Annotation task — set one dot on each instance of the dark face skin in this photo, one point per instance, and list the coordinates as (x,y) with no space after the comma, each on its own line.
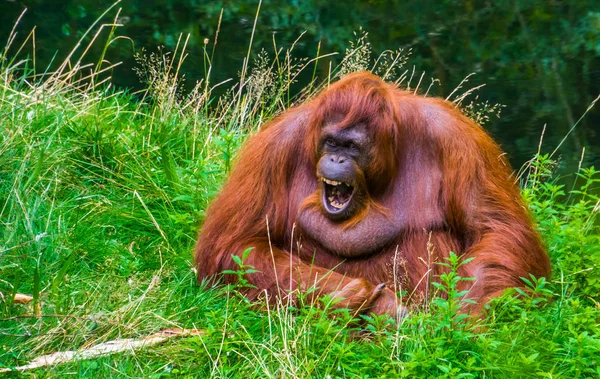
(344,158)
(344,155)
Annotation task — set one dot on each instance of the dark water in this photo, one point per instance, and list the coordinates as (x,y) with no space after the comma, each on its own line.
(541,59)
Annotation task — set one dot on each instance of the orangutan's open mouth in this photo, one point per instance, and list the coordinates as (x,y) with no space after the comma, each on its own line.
(336,195)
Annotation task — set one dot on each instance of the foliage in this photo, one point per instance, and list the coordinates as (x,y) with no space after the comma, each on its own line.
(569,222)
(539,58)
(243,269)
(101,195)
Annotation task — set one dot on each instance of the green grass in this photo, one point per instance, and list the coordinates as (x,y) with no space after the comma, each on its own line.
(102,194)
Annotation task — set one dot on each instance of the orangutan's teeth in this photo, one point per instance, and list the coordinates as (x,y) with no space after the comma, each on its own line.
(331,182)
(337,205)
(331,198)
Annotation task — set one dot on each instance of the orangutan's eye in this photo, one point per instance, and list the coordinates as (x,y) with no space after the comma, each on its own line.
(330,142)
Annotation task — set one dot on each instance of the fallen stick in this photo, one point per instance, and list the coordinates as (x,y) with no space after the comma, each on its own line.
(106,348)
(19,298)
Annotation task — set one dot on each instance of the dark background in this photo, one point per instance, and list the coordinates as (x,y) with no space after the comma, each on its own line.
(540,58)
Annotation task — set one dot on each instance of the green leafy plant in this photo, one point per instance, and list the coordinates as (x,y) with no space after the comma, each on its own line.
(243,269)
